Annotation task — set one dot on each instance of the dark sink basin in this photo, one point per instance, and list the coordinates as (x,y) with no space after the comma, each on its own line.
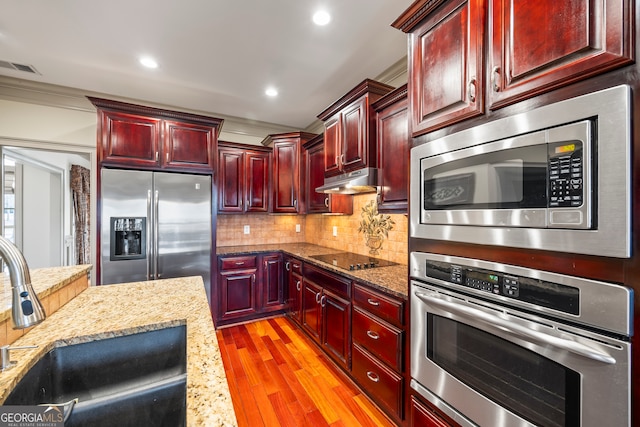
(137,379)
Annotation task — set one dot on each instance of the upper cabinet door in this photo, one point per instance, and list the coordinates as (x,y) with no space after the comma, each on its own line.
(286,181)
(129,139)
(446,66)
(257,173)
(230,180)
(355,136)
(539,45)
(188,146)
(332,146)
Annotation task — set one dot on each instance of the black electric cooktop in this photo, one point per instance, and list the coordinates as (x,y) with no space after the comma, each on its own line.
(351,261)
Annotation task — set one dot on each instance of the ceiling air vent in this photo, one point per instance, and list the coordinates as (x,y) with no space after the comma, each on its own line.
(18,67)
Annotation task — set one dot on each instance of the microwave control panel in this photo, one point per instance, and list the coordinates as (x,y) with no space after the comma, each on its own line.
(491,284)
(566,187)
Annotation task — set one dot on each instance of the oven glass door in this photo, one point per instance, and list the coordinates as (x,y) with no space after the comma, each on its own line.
(498,365)
(524,382)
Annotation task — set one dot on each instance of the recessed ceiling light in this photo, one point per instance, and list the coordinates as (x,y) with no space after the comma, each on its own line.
(148,62)
(271,92)
(321,17)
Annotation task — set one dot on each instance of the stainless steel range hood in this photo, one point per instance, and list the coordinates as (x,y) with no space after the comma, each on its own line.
(356,182)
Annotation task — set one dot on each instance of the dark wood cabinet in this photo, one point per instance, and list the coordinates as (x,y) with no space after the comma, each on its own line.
(314,170)
(272,283)
(136,136)
(243,178)
(349,134)
(534,47)
(445,69)
(538,46)
(287,178)
(379,348)
(326,312)
(237,281)
(249,287)
(393,144)
(188,146)
(293,272)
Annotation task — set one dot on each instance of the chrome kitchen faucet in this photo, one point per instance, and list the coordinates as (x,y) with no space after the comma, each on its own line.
(26,309)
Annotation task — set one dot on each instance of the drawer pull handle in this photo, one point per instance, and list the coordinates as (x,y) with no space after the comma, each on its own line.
(240,263)
(373,302)
(373,376)
(373,335)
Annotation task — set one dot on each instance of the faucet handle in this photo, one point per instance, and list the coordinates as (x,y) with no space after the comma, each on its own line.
(5,357)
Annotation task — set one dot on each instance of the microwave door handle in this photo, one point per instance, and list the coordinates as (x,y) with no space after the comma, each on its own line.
(495,321)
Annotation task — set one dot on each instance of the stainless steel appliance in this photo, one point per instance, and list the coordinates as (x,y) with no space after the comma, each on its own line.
(352,261)
(500,345)
(554,178)
(154,225)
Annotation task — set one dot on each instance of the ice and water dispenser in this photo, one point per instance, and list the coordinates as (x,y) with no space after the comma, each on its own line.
(128,238)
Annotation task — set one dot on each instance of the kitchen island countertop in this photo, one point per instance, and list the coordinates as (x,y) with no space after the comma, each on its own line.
(392,279)
(108,311)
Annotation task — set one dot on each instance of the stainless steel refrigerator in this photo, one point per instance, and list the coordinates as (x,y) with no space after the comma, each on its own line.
(154,225)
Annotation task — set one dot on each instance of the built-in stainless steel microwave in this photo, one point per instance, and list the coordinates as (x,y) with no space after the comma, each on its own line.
(554,178)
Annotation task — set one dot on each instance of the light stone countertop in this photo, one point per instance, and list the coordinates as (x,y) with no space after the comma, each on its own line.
(393,280)
(114,310)
(45,281)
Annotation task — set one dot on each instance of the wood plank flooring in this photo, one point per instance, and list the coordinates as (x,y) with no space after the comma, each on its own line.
(278,377)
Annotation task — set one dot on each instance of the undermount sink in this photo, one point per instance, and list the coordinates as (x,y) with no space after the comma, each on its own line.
(132,380)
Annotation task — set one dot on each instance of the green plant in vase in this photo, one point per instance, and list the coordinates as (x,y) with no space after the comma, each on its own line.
(374,226)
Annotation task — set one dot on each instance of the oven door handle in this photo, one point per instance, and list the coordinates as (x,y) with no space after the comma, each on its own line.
(515,329)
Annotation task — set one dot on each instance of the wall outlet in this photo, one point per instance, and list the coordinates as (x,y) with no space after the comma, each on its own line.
(297,228)
(335,231)
(247,229)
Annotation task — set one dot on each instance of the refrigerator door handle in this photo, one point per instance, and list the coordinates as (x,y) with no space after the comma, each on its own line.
(155,235)
(148,242)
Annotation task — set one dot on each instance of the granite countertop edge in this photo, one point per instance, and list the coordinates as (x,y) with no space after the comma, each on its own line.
(102,312)
(392,280)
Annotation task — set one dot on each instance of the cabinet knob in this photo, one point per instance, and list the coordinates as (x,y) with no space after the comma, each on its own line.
(472,90)
(495,78)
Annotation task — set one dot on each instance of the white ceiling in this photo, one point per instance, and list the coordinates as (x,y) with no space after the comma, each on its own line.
(215,56)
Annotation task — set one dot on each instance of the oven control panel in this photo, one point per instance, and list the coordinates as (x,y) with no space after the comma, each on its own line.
(495,283)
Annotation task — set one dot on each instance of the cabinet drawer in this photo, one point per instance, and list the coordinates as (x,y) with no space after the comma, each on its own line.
(337,284)
(239,262)
(384,385)
(383,306)
(383,340)
(294,265)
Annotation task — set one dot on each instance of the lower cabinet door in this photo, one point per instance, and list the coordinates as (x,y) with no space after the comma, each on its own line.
(383,384)
(336,320)
(238,294)
(311,294)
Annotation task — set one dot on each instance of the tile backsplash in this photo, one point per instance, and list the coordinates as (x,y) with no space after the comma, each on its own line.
(317,229)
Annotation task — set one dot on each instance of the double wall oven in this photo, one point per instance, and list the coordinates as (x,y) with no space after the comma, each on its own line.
(494,344)
(501,345)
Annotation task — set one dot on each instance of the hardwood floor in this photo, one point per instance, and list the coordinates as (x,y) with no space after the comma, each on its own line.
(278,377)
